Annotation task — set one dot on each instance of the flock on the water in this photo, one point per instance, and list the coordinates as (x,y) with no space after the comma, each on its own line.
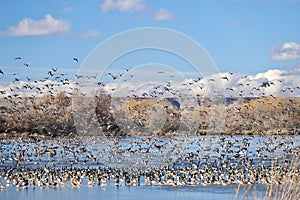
(32,162)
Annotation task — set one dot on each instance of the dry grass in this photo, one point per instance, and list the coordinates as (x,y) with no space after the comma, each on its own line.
(53,115)
(283,184)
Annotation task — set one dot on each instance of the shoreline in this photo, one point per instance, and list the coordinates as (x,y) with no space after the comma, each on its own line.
(273,132)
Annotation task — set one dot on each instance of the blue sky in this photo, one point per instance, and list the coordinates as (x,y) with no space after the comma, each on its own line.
(247,36)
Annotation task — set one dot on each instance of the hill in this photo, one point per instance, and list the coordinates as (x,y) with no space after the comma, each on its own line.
(54,115)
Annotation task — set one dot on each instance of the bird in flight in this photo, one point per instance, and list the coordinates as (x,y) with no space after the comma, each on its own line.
(231,89)
(17,58)
(225,78)
(75,59)
(1,72)
(26,64)
(50,73)
(112,76)
(54,69)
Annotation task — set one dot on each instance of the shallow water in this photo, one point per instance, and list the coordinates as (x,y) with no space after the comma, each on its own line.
(134,152)
(123,193)
(142,151)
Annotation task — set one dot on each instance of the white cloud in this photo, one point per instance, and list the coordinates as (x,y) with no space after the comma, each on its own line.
(123,5)
(133,6)
(272,74)
(46,26)
(39,88)
(90,34)
(288,51)
(272,82)
(163,14)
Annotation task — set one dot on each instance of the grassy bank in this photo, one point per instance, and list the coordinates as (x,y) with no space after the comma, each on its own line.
(54,115)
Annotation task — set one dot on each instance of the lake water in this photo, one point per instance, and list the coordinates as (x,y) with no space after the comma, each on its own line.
(128,152)
(124,193)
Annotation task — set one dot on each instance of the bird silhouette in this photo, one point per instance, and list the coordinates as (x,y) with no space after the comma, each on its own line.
(225,78)
(50,73)
(114,77)
(1,72)
(75,59)
(54,69)
(79,76)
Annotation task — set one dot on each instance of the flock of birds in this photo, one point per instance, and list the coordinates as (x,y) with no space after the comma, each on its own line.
(199,86)
(21,92)
(21,84)
(127,161)
(31,162)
